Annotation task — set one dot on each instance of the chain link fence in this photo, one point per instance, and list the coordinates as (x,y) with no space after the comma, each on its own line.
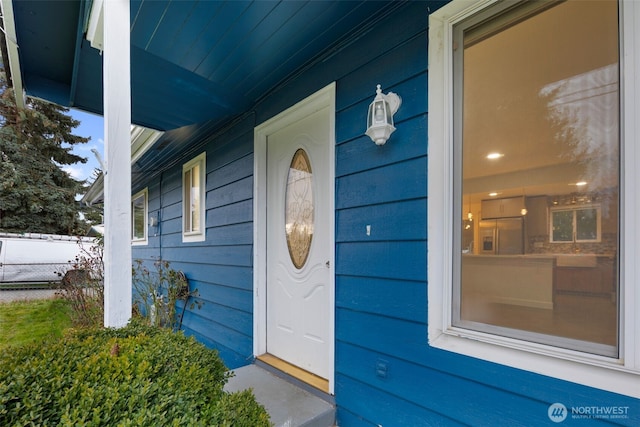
(33,275)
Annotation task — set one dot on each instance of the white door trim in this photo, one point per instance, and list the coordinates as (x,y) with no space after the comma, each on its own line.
(319,100)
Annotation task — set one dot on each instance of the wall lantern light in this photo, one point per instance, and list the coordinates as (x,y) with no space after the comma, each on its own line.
(380,117)
(153,220)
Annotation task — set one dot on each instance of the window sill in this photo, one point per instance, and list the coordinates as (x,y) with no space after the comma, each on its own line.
(199,237)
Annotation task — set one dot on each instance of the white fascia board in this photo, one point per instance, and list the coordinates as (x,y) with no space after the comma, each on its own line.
(142,139)
(95,192)
(95,28)
(12,49)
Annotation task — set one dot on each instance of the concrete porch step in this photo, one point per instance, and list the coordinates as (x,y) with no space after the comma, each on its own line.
(288,404)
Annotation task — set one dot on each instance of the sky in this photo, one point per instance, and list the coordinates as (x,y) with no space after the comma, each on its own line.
(92,126)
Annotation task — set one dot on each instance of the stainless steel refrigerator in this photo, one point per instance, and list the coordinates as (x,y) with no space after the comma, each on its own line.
(501,236)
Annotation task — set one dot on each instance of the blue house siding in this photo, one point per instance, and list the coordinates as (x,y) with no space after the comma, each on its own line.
(385,371)
(221,267)
(381,278)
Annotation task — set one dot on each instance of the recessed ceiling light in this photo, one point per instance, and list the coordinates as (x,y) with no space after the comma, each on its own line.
(581,183)
(494,156)
(494,194)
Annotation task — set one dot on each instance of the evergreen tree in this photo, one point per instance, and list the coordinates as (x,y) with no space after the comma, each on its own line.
(36,195)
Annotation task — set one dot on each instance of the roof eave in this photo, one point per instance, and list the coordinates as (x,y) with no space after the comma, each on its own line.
(95,193)
(142,139)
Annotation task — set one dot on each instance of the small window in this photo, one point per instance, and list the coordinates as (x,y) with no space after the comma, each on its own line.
(576,225)
(193,186)
(139,209)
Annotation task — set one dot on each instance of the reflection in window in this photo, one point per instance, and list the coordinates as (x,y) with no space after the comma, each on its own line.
(193,188)
(192,199)
(538,83)
(138,217)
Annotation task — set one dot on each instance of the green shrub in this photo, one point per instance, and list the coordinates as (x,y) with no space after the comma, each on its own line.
(133,376)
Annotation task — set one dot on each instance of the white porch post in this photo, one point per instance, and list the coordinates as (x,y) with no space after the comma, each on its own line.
(117,178)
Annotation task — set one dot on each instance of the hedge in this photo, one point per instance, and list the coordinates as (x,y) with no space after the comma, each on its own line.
(133,376)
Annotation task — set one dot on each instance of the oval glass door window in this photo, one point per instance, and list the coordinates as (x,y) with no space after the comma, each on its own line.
(299,207)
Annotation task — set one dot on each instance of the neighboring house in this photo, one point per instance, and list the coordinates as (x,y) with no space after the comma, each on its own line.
(389,271)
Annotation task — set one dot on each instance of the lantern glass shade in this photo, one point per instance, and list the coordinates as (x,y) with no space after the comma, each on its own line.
(379,113)
(379,121)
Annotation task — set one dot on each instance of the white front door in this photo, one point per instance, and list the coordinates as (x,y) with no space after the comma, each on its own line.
(299,243)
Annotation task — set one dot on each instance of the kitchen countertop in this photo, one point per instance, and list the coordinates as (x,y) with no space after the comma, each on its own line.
(559,260)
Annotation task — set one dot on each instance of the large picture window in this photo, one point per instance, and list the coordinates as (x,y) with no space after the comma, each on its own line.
(526,259)
(193,188)
(538,120)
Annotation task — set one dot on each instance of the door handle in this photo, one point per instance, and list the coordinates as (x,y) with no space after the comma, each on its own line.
(327,264)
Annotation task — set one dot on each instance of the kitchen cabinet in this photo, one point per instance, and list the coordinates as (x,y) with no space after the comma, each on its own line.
(509,279)
(537,222)
(598,279)
(502,208)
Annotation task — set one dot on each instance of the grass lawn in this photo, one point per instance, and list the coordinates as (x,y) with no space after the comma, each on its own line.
(23,322)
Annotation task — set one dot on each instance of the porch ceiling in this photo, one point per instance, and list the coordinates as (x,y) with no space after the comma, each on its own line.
(191,61)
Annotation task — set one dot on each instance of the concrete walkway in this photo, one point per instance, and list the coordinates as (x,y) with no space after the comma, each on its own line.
(287,404)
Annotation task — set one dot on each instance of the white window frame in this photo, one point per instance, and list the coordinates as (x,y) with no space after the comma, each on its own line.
(619,375)
(189,234)
(145,239)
